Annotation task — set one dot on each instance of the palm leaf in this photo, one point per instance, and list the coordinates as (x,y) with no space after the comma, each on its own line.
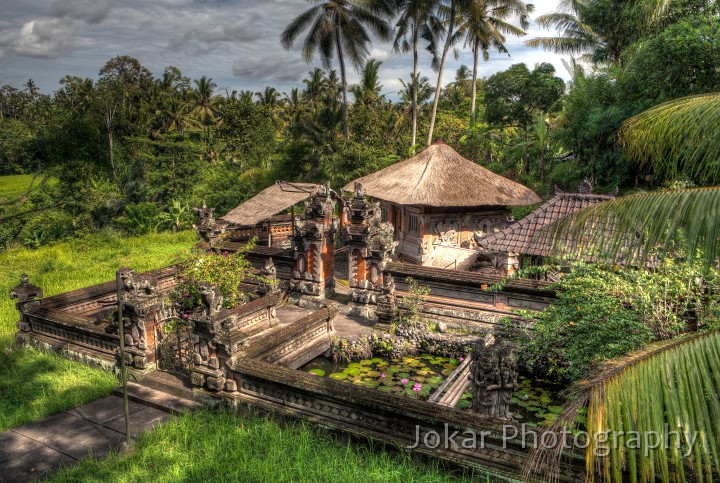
(669,389)
(680,136)
(630,228)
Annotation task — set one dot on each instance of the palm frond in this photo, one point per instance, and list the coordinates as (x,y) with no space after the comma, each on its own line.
(630,228)
(667,395)
(561,45)
(678,137)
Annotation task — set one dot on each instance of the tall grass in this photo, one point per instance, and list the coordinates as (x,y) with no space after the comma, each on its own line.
(35,384)
(223,447)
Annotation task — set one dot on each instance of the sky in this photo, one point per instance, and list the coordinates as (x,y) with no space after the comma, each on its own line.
(235,42)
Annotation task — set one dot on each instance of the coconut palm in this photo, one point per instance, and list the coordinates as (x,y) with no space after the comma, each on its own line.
(340,27)
(591,40)
(417,21)
(675,138)
(448,12)
(368,90)
(203,110)
(483,25)
(674,383)
(413,95)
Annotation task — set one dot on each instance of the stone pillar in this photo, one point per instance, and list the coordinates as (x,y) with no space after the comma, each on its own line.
(371,244)
(25,293)
(143,310)
(314,248)
(493,376)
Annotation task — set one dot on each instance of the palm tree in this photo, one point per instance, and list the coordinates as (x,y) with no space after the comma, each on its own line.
(484,24)
(449,12)
(673,383)
(417,20)
(204,111)
(342,26)
(675,138)
(369,88)
(414,94)
(593,40)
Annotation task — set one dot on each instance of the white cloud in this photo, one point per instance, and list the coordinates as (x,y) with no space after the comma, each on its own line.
(45,38)
(91,11)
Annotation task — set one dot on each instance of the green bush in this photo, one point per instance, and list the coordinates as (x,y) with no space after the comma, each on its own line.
(47,226)
(587,324)
(141,218)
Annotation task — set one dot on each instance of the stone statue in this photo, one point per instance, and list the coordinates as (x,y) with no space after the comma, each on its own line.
(269,269)
(207,226)
(211,298)
(493,376)
(26,291)
(135,285)
(359,191)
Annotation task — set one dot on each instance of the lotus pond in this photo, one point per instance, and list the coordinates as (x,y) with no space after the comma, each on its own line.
(415,376)
(534,402)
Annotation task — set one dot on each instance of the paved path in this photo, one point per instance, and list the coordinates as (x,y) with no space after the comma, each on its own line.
(29,452)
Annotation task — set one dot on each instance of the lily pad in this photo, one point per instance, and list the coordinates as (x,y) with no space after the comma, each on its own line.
(317,372)
(365,362)
(447,372)
(338,376)
(462,404)
(352,371)
(373,374)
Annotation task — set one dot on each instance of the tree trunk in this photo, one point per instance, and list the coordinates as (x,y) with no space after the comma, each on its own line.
(415,86)
(438,87)
(343,81)
(527,153)
(476,49)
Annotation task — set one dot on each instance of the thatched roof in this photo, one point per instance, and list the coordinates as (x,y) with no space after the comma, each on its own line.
(525,237)
(439,176)
(269,202)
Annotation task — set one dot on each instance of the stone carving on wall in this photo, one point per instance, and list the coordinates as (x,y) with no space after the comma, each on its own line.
(446,231)
(493,375)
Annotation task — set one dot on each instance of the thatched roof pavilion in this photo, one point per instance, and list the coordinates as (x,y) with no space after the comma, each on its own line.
(440,199)
(269,202)
(440,176)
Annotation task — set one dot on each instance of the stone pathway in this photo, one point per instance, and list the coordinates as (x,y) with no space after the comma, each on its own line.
(29,452)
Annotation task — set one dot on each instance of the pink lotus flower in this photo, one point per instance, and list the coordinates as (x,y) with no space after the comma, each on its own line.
(185,315)
(382,376)
(404,381)
(461,359)
(417,387)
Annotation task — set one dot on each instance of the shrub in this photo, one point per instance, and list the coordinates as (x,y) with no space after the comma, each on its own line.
(586,325)
(141,218)
(224,269)
(47,226)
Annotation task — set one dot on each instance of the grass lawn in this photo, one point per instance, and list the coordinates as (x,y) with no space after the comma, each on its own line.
(34,384)
(17,184)
(216,446)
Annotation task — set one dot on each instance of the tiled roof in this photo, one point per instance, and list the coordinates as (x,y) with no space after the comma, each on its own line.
(520,237)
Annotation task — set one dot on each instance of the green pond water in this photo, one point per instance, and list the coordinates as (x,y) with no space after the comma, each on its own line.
(534,402)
